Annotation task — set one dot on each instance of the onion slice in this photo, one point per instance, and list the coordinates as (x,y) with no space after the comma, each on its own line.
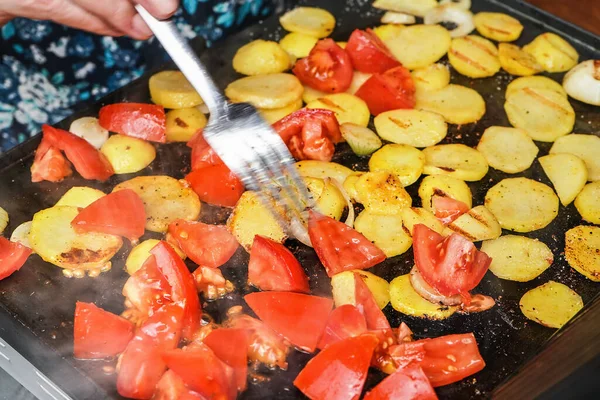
(462,4)
(451,13)
(21,234)
(89,128)
(583,82)
(350,218)
(299,231)
(429,293)
(397,18)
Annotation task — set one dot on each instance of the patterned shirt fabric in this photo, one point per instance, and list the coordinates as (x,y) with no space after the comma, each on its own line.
(46,68)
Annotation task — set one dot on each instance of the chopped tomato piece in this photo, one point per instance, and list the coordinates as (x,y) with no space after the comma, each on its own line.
(141,364)
(49,164)
(392,90)
(118,213)
(339,247)
(231,346)
(99,334)
(12,256)
(202,154)
(344,321)
(172,387)
(408,383)
(451,265)
(183,287)
(285,312)
(327,68)
(273,267)
(147,289)
(138,120)
(447,209)
(445,359)
(339,371)
(216,184)
(368,53)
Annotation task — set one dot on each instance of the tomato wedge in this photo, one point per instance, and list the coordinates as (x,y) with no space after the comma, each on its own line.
(408,383)
(183,287)
(216,184)
(172,387)
(12,256)
(138,120)
(141,364)
(368,53)
(445,359)
(119,213)
(273,267)
(285,312)
(49,164)
(202,154)
(451,265)
(344,321)
(339,247)
(391,90)
(98,333)
(205,244)
(147,289)
(327,68)
(339,371)
(447,209)
(231,346)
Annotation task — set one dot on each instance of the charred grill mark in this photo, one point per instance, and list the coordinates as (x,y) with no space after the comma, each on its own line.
(544,100)
(406,230)
(181,123)
(478,218)
(461,231)
(401,124)
(448,169)
(439,192)
(79,256)
(491,28)
(466,59)
(480,46)
(331,104)
(597,70)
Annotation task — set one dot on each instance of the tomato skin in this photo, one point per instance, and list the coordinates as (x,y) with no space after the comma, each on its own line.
(273,267)
(202,154)
(344,321)
(284,312)
(119,213)
(147,289)
(205,244)
(327,68)
(12,257)
(408,383)
(172,387)
(339,371)
(392,90)
(231,346)
(216,184)
(49,164)
(339,247)
(138,120)
(98,333)
(368,53)
(447,209)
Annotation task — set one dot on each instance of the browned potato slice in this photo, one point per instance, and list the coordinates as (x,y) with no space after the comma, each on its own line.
(171,89)
(405,161)
(456,160)
(588,203)
(498,26)
(553,52)
(582,250)
(551,304)
(350,185)
(261,57)
(265,91)
(418,8)
(309,21)
(385,231)
(411,127)
(298,44)
(323,169)
(80,196)
(477,224)
(534,82)
(407,301)
(509,150)
(586,147)
(412,216)
(387,31)
(457,104)
(567,173)
(474,56)
(347,108)
(444,185)
(183,123)
(516,61)
(433,77)
(418,46)
(382,192)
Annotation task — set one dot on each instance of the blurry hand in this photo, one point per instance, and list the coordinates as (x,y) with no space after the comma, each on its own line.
(104,17)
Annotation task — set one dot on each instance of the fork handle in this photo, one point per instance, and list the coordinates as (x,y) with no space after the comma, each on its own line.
(186,59)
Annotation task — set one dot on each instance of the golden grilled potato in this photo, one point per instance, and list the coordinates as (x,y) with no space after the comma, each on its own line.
(457,104)
(127,154)
(567,173)
(309,21)
(411,127)
(140,253)
(261,57)
(298,44)
(456,160)
(509,150)
(516,61)
(551,304)
(433,77)
(534,82)
(171,89)
(476,225)
(586,147)
(329,200)
(183,123)
(347,108)
(412,7)
(265,91)
(385,231)
(404,299)
(553,52)
(342,286)
(382,192)
(80,196)
(582,250)
(497,26)
(275,114)
(412,216)
(350,185)
(445,186)
(387,31)
(474,56)
(418,46)
(588,203)
(404,161)
(323,169)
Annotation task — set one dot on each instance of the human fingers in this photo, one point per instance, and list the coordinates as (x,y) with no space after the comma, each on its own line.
(121,15)
(161,9)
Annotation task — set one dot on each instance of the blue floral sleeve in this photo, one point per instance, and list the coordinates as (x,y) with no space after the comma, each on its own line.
(45,68)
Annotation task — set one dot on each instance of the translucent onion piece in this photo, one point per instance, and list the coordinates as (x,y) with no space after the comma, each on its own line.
(89,129)
(350,218)
(583,82)
(397,18)
(451,13)
(463,4)
(429,293)
(21,234)
(3,219)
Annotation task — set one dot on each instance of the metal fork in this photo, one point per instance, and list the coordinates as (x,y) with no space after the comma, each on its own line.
(246,143)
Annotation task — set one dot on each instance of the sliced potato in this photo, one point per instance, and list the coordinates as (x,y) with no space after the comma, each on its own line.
(443,185)
(553,52)
(457,104)
(517,258)
(586,147)
(567,173)
(474,56)
(275,114)
(404,161)
(534,82)
(350,185)
(582,250)
(522,204)
(171,89)
(347,108)
(53,238)
(261,57)
(551,304)
(329,200)
(342,285)
(21,234)
(385,231)
(358,78)
(477,224)
(183,123)
(433,77)
(588,203)
(418,8)
(323,169)
(387,31)
(418,46)
(298,44)
(544,114)
(250,217)
(80,196)
(127,154)
(311,94)
(405,300)
(509,150)
(382,192)
(457,160)
(411,127)
(516,61)
(498,26)
(266,91)
(165,200)
(309,21)
(140,253)
(412,216)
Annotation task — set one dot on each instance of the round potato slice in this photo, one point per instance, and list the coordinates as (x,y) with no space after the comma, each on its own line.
(457,104)
(433,77)
(342,288)
(329,200)
(323,169)
(567,173)
(477,224)
(275,114)
(516,61)
(582,250)
(444,185)
(412,7)
(80,196)
(382,192)
(404,161)
(309,21)
(405,300)
(183,123)
(412,216)
(311,94)
(474,56)
(457,160)
(266,91)
(418,46)
(551,304)
(385,231)
(261,57)
(165,200)
(411,127)
(387,31)
(586,147)
(498,26)
(544,114)
(588,203)
(509,150)
(347,108)
(534,82)
(350,185)
(522,204)
(517,258)
(298,44)
(127,154)
(140,253)
(171,89)
(358,78)
(553,52)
